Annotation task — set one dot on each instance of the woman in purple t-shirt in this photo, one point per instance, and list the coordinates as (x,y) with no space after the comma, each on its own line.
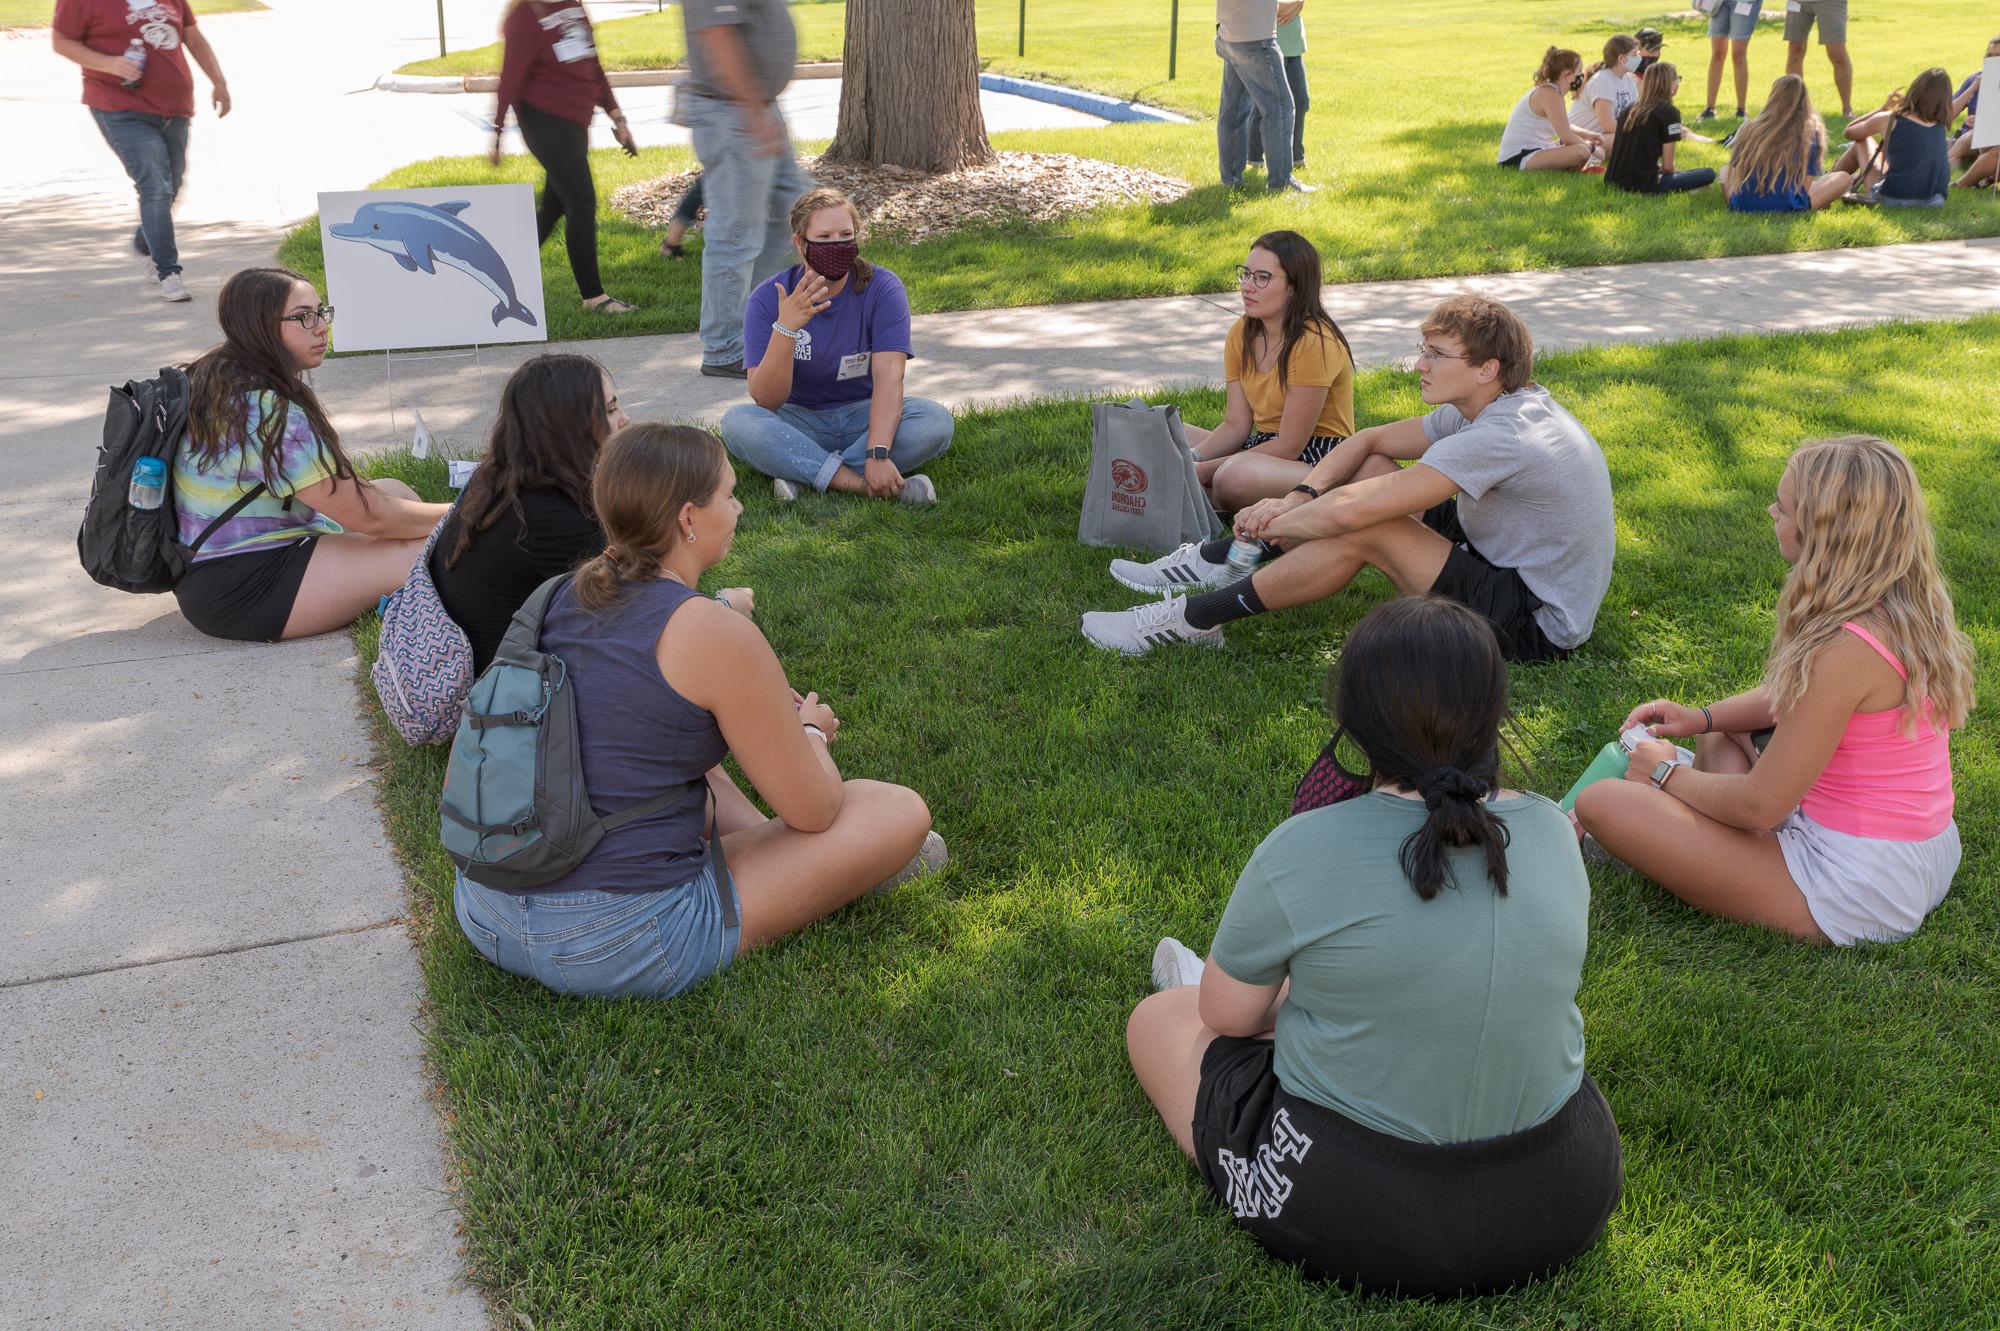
(825,343)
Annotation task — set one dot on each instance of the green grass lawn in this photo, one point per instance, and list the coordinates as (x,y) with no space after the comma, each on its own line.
(919,1113)
(1414,194)
(39,13)
(655,41)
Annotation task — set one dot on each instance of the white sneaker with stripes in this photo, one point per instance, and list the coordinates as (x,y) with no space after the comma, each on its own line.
(1184,570)
(1144,627)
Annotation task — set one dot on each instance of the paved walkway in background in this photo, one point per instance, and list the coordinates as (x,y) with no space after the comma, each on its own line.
(211,1080)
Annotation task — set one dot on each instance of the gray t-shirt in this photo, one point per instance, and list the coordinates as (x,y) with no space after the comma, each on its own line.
(1246,20)
(1534,496)
(766,29)
(1448,1020)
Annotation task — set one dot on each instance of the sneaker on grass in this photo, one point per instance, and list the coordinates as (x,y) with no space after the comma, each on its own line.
(1183,570)
(1175,964)
(783,490)
(930,857)
(917,490)
(1144,627)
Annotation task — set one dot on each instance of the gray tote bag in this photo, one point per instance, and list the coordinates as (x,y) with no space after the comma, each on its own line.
(1143,493)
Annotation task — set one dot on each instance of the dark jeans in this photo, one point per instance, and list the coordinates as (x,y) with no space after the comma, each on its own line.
(154,152)
(689,207)
(563,147)
(1673,182)
(1253,76)
(1295,77)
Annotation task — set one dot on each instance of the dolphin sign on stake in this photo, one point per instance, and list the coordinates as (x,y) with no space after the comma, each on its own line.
(420,236)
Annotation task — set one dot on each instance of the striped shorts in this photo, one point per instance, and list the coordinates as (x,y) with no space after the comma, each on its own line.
(1316,447)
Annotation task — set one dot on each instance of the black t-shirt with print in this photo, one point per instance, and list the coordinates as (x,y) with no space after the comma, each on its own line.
(1634,163)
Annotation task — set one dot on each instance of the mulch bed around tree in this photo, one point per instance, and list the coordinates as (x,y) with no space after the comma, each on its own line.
(1032,187)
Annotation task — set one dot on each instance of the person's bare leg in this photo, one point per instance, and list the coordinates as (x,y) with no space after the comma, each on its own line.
(1245,478)
(1725,753)
(1983,169)
(1722,870)
(1828,188)
(1739,59)
(733,809)
(1843,76)
(786,879)
(345,577)
(1567,157)
(1854,155)
(1411,554)
(1795,59)
(1718,49)
(1165,1040)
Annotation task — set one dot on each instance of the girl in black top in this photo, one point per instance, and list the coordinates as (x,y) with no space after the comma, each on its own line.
(526,515)
(1642,153)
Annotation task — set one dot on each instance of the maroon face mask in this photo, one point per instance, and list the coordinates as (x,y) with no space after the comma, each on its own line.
(831,259)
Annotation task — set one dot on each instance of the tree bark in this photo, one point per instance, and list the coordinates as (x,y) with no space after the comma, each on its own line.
(909,90)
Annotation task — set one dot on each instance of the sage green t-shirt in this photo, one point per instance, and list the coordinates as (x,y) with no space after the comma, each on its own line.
(1447,1020)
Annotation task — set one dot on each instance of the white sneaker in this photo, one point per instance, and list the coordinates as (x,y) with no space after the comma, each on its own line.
(1182,571)
(173,289)
(1144,627)
(1175,964)
(930,857)
(783,490)
(918,490)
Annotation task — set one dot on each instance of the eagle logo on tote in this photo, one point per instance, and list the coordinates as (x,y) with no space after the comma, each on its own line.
(1128,476)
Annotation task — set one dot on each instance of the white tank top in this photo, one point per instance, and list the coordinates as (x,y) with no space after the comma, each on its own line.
(1528,130)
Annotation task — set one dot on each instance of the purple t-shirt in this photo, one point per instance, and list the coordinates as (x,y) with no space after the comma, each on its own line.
(825,372)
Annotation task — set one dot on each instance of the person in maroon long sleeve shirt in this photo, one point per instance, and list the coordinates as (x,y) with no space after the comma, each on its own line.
(550,78)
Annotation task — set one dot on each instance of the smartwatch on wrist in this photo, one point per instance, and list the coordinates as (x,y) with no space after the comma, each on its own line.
(1661,771)
(878,455)
(1304,489)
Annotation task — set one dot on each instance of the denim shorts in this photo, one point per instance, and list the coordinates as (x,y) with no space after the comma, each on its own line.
(1735,19)
(604,944)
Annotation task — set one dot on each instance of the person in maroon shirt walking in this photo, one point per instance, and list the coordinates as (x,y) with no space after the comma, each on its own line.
(551,80)
(137,86)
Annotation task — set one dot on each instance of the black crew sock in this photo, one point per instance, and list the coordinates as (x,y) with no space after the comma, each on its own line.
(1213,609)
(1217,550)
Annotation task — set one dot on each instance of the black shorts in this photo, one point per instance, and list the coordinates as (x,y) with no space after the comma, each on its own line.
(1469,578)
(1384,1215)
(246,597)
(1317,447)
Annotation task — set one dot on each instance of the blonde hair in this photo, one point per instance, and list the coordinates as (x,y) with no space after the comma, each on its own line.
(1773,153)
(825,196)
(645,473)
(1866,549)
(1656,89)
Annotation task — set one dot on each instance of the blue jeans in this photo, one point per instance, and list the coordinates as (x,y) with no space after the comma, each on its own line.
(603,944)
(807,446)
(1295,79)
(1253,75)
(154,152)
(748,236)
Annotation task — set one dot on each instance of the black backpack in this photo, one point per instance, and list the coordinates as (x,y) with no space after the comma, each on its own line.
(139,549)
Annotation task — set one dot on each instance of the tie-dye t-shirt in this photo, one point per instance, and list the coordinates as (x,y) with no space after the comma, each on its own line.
(202,494)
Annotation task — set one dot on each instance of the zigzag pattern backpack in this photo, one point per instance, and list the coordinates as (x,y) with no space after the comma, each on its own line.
(423,662)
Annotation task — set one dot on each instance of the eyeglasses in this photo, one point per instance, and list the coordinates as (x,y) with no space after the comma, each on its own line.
(310,320)
(1427,352)
(1253,277)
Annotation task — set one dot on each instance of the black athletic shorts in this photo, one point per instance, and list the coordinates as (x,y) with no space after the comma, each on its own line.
(246,597)
(1497,593)
(1385,1215)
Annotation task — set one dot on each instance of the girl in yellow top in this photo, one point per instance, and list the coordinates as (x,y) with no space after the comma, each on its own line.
(1290,379)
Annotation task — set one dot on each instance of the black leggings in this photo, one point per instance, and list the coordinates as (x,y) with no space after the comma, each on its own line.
(563,147)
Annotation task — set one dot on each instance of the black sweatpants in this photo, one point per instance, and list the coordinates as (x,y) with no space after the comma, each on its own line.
(562,147)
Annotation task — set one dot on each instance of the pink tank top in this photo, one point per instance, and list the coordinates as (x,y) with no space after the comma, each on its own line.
(1880,782)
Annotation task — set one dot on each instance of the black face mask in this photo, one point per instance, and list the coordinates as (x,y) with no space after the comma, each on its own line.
(831,259)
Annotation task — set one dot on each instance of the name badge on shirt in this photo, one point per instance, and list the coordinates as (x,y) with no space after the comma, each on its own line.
(854,366)
(1743,6)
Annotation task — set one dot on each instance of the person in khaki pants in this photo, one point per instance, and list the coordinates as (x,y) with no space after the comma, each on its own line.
(1831,16)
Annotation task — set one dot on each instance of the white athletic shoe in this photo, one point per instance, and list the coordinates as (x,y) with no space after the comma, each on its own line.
(1182,571)
(783,490)
(1175,964)
(917,490)
(930,857)
(1144,627)
(173,289)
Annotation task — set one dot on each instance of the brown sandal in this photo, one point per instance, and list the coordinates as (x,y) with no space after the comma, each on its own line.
(610,305)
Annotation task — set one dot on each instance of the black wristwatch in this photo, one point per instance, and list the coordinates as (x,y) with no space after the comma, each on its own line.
(1303,488)
(878,455)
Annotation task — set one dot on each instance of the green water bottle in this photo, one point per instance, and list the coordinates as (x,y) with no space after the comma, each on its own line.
(1609,764)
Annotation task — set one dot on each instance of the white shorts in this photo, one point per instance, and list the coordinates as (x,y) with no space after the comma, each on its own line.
(1867,889)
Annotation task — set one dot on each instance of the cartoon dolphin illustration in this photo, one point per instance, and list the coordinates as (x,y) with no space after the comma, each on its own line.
(419,237)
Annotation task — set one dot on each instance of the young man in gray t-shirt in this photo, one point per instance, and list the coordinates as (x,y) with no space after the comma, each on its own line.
(1505,506)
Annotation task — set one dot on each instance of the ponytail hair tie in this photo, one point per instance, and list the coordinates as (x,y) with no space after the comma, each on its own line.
(1445,782)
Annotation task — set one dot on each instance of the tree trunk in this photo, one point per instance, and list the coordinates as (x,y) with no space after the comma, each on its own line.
(909,90)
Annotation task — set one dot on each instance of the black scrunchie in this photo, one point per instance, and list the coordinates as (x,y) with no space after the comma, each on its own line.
(1446,783)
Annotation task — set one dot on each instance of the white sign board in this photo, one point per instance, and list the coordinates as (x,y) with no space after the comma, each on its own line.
(449,267)
(1986,129)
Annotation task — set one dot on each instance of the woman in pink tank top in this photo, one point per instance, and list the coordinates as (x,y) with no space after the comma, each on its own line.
(1840,828)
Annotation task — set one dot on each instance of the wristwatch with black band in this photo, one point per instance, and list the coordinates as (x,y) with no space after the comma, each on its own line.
(877,454)
(1306,490)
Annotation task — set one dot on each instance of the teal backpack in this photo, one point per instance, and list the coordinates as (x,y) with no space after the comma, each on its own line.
(515,813)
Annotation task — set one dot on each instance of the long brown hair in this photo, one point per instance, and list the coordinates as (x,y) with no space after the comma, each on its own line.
(645,472)
(1773,153)
(1929,97)
(1656,89)
(1615,50)
(825,196)
(1554,61)
(1305,312)
(546,437)
(250,362)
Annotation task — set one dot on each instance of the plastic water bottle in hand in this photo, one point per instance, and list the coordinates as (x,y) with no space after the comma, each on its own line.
(1245,553)
(135,51)
(148,489)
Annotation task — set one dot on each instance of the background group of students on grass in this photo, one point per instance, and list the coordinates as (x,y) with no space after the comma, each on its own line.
(1625,122)
(1379,1068)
